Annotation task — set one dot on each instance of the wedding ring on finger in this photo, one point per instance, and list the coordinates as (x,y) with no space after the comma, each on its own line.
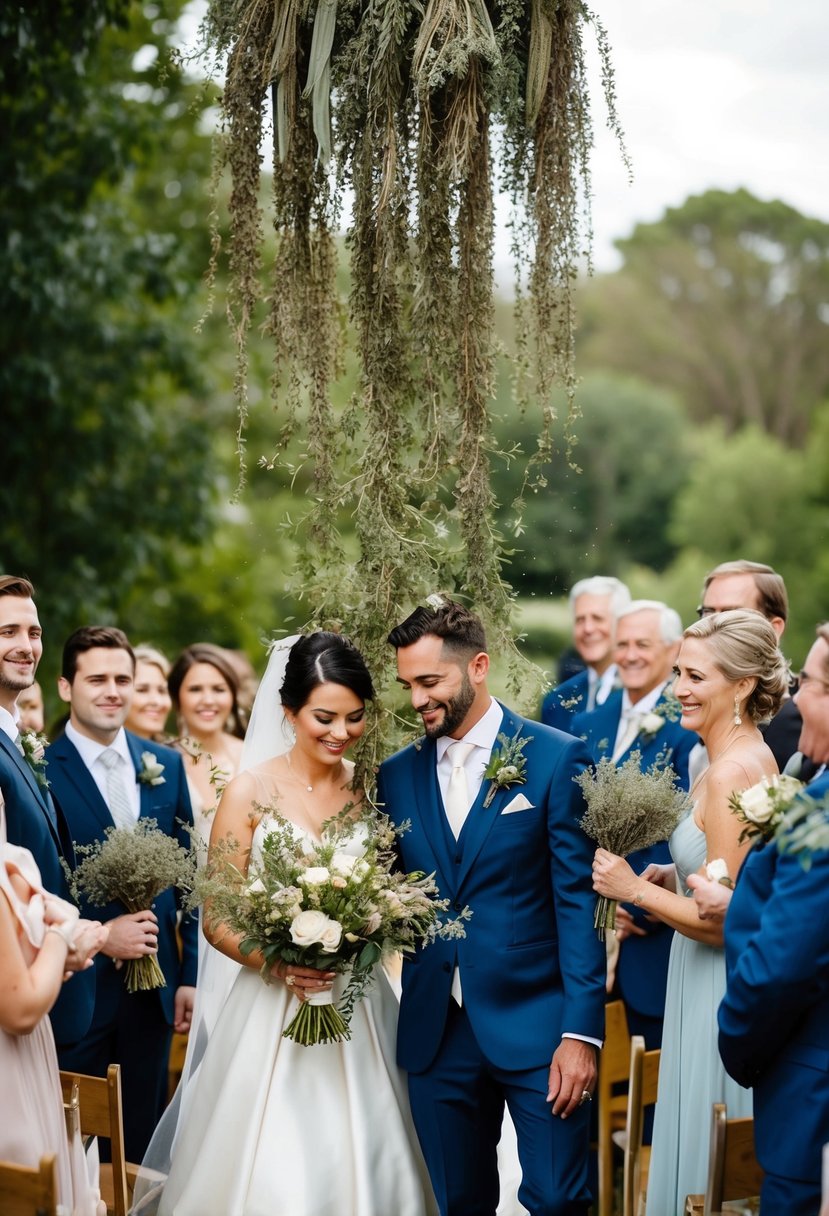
(586,1096)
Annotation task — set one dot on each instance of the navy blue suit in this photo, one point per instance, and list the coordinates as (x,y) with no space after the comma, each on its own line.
(774,1018)
(642,969)
(568,698)
(131,1029)
(36,823)
(531,967)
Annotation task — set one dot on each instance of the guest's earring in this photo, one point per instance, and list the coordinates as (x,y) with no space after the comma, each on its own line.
(738,721)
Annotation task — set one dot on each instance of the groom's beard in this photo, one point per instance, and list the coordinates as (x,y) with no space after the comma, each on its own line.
(454,710)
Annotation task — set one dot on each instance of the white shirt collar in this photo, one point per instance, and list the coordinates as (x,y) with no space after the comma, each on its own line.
(604,682)
(90,749)
(483,734)
(10,722)
(645,704)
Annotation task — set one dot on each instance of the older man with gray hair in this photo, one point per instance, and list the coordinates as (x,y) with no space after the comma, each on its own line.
(595,604)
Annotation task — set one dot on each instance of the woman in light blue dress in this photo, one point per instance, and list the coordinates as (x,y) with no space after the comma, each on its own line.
(730,675)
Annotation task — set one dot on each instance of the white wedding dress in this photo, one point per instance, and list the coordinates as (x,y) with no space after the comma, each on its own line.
(272,1128)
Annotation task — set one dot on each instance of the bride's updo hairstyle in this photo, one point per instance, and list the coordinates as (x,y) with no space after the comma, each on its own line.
(744,646)
(323,658)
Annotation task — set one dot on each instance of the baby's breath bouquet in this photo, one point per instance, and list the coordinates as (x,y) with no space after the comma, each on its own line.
(133,866)
(336,905)
(628,809)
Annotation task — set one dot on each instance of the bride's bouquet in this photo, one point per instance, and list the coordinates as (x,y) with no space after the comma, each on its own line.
(337,905)
(628,809)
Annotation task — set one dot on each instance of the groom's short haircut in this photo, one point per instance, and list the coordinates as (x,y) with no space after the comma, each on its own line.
(772,599)
(459,629)
(13,584)
(92,637)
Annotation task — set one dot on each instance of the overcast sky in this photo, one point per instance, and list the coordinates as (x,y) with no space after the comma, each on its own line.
(714,93)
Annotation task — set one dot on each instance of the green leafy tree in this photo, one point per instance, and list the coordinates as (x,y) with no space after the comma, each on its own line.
(724,300)
(611,513)
(107,449)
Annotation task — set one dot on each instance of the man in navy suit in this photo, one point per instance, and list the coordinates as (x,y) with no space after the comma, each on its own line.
(514,1011)
(637,718)
(595,604)
(95,768)
(33,820)
(774,1018)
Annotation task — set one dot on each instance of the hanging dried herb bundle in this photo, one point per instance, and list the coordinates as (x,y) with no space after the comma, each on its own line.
(418,110)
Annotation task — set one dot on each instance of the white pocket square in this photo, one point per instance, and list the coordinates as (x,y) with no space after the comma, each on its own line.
(519,803)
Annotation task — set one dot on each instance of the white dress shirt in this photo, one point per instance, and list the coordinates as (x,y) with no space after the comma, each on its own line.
(10,723)
(644,705)
(599,687)
(90,751)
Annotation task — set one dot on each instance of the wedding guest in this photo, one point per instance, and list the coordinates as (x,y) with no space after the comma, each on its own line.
(205,696)
(641,716)
(151,701)
(730,675)
(38,935)
(514,1011)
(96,771)
(595,603)
(30,708)
(33,818)
(744,584)
(774,1017)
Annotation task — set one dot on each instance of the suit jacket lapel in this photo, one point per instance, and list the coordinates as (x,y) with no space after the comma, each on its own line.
(76,771)
(481,818)
(432,814)
(42,795)
(146,792)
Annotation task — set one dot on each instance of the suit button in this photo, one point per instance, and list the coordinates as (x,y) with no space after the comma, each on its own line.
(446,966)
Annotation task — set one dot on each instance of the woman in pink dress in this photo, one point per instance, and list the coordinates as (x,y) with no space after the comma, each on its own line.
(37,933)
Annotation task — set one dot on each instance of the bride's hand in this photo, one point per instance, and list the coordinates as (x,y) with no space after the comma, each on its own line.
(303,981)
(613,877)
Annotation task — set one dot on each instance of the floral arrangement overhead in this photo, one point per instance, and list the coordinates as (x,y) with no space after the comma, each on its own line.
(419,112)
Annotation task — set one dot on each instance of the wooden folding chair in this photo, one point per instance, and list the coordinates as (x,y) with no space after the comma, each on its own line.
(29,1190)
(614,1068)
(733,1169)
(100,1111)
(642,1089)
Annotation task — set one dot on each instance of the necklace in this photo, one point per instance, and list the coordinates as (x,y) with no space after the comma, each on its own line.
(309,788)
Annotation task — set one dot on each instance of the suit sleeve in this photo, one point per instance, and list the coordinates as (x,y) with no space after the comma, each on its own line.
(782,972)
(581,954)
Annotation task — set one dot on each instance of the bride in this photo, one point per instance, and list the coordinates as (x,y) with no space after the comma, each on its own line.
(265,1126)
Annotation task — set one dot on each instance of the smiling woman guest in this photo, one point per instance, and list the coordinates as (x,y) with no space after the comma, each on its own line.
(204,691)
(729,676)
(151,701)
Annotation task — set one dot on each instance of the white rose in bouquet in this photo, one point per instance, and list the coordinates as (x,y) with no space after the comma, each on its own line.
(332,936)
(257,887)
(314,876)
(343,864)
(310,927)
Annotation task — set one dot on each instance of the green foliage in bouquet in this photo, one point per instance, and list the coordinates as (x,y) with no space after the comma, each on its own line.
(132,866)
(628,809)
(320,905)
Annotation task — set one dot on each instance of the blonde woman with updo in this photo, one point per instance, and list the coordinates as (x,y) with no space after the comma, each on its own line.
(151,702)
(729,677)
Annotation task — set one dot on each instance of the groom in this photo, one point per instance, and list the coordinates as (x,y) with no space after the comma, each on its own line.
(515,1010)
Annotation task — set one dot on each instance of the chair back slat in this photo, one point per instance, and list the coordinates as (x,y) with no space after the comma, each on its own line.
(614,1069)
(101,1115)
(733,1169)
(29,1190)
(644,1078)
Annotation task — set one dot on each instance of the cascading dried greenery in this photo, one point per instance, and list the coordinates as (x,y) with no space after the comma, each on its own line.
(418,109)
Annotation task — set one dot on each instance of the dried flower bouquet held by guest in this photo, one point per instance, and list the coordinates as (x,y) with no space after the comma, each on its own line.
(628,809)
(132,866)
(317,904)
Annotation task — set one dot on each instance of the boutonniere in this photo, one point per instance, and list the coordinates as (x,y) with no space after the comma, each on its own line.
(651,725)
(804,829)
(33,747)
(150,771)
(508,766)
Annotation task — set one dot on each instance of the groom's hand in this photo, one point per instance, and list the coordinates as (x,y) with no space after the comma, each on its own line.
(572,1072)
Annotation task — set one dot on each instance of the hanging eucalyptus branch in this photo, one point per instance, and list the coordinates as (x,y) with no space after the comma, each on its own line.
(416,109)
